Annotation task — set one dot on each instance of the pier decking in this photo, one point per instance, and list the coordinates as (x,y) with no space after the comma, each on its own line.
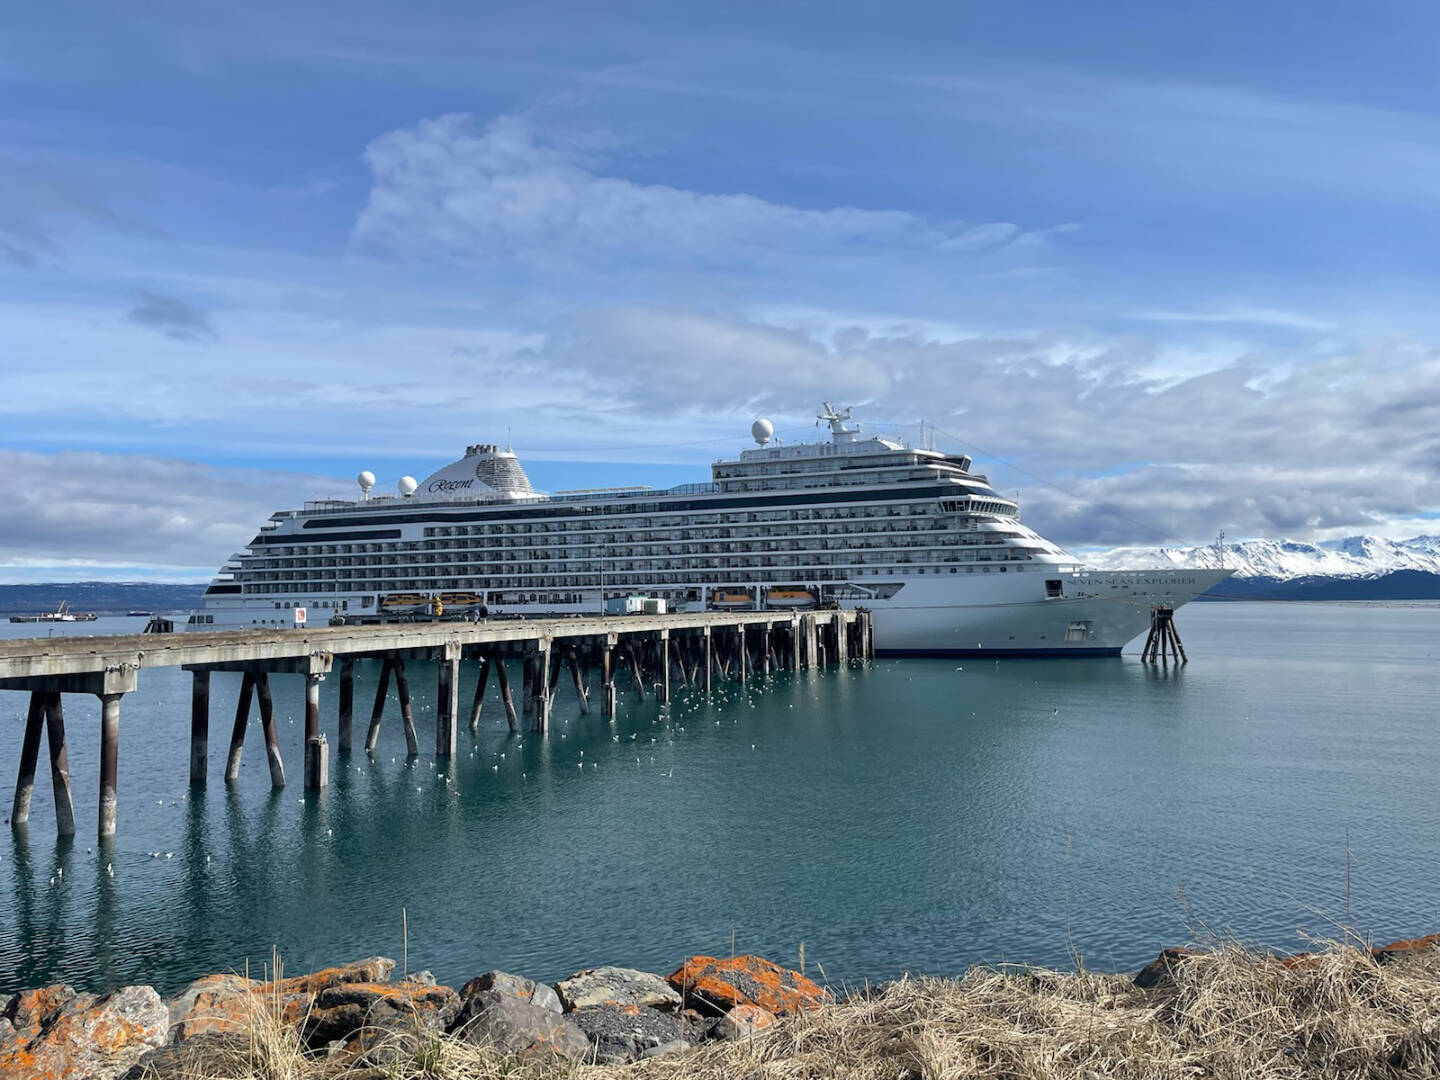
(695,648)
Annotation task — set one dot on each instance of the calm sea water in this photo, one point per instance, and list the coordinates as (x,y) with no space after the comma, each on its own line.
(915,815)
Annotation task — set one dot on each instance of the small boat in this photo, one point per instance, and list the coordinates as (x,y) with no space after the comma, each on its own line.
(405,604)
(457,602)
(60,614)
(732,599)
(140,614)
(790,596)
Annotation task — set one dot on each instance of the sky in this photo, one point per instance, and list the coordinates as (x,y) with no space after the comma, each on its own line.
(1161,269)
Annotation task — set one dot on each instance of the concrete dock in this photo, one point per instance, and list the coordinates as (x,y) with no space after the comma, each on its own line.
(647,650)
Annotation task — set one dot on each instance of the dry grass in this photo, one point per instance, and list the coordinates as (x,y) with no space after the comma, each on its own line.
(1230,1014)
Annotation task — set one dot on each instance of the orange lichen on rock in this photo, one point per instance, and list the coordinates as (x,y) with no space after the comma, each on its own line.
(66,1035)
(375,969)
(1408,947)
(721,985)
(228,1004)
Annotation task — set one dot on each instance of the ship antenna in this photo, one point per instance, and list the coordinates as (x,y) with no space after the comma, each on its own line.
(508,450)
(1220,548)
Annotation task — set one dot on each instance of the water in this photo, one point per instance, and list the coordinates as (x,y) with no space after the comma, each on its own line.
(910,817)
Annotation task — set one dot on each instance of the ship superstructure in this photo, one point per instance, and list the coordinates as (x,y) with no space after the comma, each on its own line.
(914,534)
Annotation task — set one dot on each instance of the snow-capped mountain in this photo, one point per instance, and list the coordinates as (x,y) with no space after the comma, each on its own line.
(1282,560)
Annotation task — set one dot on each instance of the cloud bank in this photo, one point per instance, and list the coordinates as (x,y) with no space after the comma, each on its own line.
(511,189)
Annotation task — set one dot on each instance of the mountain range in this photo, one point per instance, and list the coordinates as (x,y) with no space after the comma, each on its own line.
(101,597)
(1353,568)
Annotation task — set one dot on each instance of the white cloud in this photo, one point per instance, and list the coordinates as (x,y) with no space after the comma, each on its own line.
(78,510)
(1241,316)
(513,190)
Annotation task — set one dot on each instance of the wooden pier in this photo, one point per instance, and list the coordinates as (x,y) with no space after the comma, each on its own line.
(652,650)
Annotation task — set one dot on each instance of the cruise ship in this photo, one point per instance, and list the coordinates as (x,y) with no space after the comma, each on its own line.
(857,520)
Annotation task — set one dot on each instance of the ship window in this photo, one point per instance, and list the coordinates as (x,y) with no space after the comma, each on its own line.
(1053,588)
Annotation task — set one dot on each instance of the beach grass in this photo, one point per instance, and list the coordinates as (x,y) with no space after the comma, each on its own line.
(1226,1013)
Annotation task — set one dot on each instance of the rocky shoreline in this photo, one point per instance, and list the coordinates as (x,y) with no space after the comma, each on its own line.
(356,1021)
(356,1015)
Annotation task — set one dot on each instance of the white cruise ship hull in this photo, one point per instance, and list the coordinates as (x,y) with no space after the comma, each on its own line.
(983,614)
(1097,613)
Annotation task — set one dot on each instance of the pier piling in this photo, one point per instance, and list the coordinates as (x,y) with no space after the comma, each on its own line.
(377,713)
(59,766)
(199,725)
(267,725)
(242,720)
(345,713)
(317,763)
(607,677)
(109,761)
(478,702)
(538,688)
(580,693)
(636,676)
(447,704)
(312,705)
(1163,639)
(407,714)
(505,695)
(29,759)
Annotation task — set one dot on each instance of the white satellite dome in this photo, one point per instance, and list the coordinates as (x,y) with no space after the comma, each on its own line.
(407,485)
(366,480)
(762,430)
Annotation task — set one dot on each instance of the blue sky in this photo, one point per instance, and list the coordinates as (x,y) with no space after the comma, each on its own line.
(1179,264)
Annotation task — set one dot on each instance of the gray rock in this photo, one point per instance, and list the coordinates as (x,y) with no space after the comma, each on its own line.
(742,1022)
(676,1047)
(399,1009)
(622,1033)
(616,986)
(210,1055)
(516,986)
(515,1026)
(1160,972)
(421,978)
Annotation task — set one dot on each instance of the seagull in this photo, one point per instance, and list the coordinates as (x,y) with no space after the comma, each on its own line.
(110,869)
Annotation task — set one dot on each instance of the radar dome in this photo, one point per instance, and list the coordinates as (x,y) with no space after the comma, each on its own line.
(762,430)
(407,485)
(366,480)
